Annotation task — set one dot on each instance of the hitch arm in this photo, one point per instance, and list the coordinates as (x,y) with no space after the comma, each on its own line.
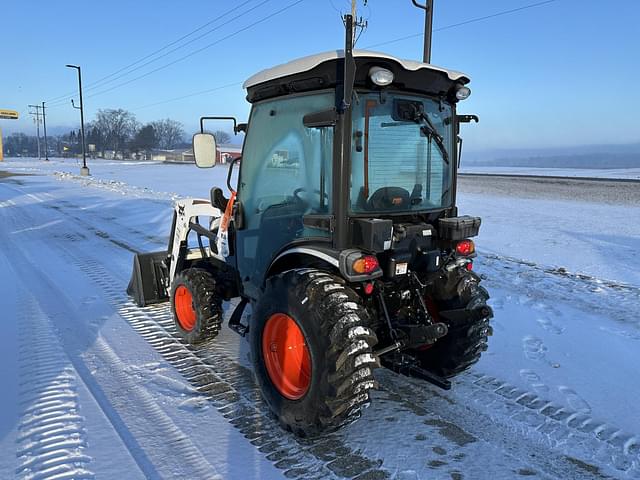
(407,366)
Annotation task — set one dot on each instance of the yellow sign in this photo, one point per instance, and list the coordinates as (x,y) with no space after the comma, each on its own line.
(8,114)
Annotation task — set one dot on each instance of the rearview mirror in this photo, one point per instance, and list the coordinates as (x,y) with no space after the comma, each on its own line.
(204,150)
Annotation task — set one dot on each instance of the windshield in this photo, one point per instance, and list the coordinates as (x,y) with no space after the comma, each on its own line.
(402,153)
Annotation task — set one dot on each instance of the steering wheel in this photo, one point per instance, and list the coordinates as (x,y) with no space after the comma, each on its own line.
(297,191)
(389,198)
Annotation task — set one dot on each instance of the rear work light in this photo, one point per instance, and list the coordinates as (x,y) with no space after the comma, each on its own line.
(462,92)
(465,247)
(381,76)
(366,264)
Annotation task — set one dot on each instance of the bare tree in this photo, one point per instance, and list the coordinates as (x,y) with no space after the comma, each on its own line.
(115,128)
(222,136)
(169,133)
(144,139)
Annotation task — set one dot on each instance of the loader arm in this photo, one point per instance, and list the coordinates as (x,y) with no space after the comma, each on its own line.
(187,211)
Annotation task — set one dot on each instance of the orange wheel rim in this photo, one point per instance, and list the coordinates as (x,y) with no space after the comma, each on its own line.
(286,356)
(185,312)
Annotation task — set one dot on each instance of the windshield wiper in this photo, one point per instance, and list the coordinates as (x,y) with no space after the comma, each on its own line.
(430,130)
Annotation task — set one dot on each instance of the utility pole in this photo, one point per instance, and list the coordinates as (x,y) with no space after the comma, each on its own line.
(357,22)
(84,171)
(36,114)
(428,28)
(44,124)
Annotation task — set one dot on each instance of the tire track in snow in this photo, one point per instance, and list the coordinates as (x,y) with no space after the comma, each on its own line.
(518,420)
(51,434)
(154,441)
(529,413)
(574,430)
(232,389)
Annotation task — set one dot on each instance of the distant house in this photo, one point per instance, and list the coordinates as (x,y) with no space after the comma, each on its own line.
(177,155)
(226,153)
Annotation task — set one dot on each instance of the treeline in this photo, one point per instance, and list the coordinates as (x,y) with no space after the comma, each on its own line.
(586,161)
(113,131)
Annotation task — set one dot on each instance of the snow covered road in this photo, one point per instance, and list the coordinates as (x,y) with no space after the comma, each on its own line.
(98,387)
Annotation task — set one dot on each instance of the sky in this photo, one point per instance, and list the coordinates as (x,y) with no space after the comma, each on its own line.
(560,73)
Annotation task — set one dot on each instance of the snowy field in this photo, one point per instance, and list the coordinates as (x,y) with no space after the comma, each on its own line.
(95,387)
(632,173)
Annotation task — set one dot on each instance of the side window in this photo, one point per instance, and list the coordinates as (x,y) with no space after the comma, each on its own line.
(285,163)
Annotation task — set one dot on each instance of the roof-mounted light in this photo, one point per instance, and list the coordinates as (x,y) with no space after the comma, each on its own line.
(381,76)
(462,92)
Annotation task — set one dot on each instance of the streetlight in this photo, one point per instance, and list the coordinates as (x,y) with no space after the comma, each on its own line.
(84,171)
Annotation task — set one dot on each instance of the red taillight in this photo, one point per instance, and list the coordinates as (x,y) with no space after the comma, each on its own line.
(469,266)
(465,247)
(368,288)
(366,264)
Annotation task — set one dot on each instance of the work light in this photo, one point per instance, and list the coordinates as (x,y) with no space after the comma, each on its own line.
(462,93)
(381,76)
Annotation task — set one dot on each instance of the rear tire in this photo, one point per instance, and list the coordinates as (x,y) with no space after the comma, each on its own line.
(467,337)
(328,338)
(196,305)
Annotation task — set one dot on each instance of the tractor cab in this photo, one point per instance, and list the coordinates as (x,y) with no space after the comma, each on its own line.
(320,175)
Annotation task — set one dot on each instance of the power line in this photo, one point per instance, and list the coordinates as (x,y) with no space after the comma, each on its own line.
(184,57)
(182,38)
(203,92)
(466,22)
(97,84)
(101,80)
(264,19)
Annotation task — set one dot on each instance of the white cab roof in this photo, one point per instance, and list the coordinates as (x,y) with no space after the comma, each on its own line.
(307,63)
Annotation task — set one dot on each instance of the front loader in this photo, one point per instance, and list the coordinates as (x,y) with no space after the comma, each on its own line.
(342,233)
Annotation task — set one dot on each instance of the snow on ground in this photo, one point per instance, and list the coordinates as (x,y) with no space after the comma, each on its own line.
(133,178)
(596,239)
(621,173)
(95,386)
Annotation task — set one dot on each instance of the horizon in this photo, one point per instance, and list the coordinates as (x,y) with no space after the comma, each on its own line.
(530,86)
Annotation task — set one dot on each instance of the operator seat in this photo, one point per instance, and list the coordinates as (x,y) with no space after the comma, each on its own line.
(389,198)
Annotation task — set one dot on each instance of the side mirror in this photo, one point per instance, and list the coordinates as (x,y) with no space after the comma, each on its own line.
(204,149)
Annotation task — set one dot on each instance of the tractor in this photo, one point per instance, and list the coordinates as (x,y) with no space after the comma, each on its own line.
(342,234)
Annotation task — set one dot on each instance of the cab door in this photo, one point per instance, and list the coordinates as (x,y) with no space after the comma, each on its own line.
(285,174)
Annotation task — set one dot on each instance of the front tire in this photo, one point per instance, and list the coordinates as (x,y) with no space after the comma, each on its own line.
(196,305)
(312,351)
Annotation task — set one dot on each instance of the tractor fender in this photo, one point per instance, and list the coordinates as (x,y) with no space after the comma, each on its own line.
(303,255)
(307,255)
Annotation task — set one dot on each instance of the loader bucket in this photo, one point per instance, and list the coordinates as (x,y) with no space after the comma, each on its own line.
(148,279)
